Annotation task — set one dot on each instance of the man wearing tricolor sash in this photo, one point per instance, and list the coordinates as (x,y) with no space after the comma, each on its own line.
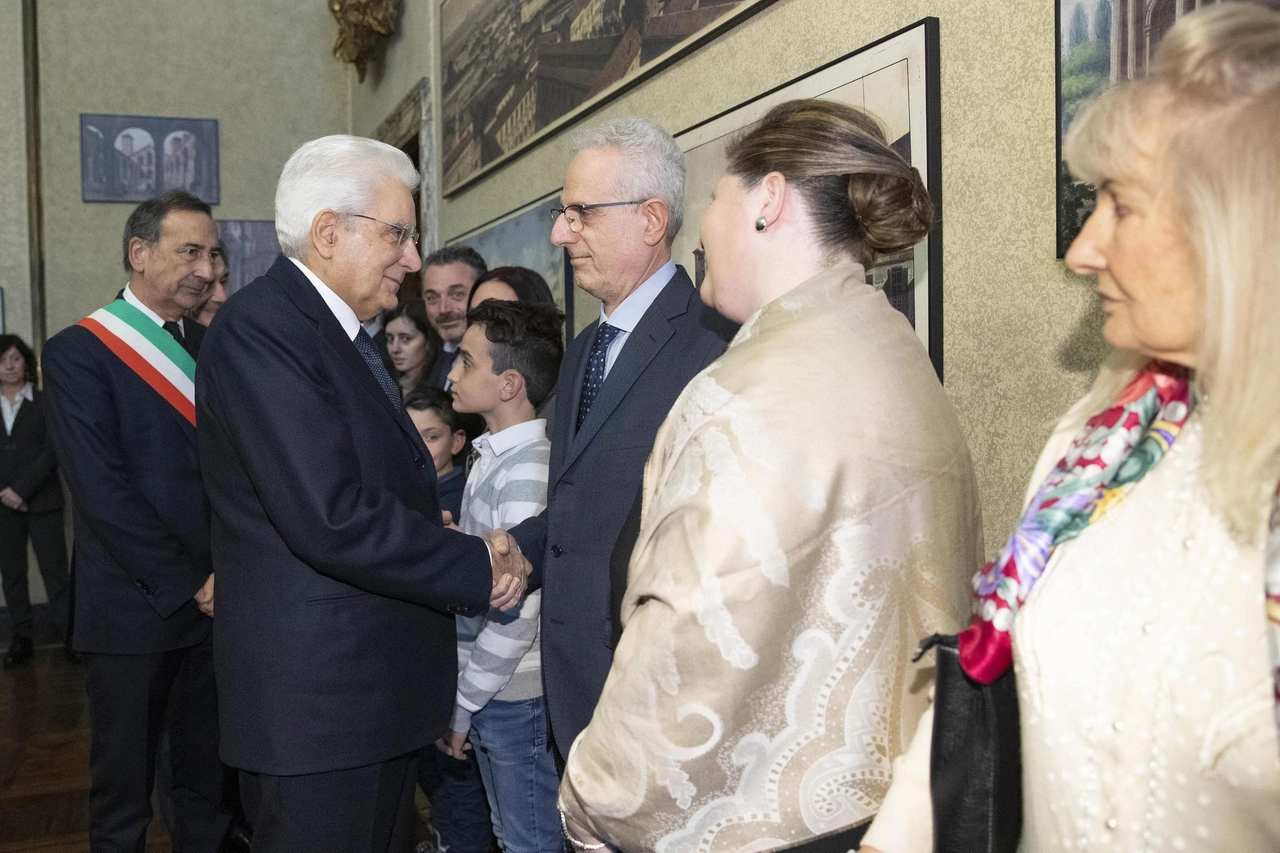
(121,392)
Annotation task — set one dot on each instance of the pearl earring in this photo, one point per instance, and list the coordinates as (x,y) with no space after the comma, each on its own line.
(761,224)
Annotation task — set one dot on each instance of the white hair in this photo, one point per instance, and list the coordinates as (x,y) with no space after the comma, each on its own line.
(338,173)
(653,163)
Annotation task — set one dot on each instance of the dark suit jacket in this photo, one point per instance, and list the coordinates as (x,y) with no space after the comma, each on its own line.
(141,517)
(327,541)
(595,475)
(28,464)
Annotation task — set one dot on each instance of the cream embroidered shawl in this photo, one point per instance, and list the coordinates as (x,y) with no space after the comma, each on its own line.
(810,513)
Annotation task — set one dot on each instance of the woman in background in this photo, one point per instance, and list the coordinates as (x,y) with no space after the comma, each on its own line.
(1130,598)
(517,284)
(30,502)
(413,345)
(809,512)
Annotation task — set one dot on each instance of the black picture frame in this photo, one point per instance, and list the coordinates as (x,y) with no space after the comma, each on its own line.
(120,162)
(913,53)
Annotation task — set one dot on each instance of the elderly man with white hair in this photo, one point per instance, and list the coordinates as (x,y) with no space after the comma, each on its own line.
(623,204)
(337,582)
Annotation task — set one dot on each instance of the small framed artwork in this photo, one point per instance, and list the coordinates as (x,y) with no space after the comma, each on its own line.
(894,79)
(134,158)
(252,247)
(522,238)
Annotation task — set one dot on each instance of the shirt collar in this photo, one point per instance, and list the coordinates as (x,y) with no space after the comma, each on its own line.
(132,299)
(372,327)
(627,315)
(498,443)
(345,316)
(27,393)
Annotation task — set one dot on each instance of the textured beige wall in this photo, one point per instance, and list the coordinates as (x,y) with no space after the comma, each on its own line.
(264,70)
(15,265)
(1021,334)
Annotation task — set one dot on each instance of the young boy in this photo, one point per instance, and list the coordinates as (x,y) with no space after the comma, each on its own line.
(509,360)
(431,411)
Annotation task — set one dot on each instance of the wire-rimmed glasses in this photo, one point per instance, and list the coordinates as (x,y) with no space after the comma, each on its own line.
(574,213)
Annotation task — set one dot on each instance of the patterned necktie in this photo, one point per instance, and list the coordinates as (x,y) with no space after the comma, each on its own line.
(594,379)
(175,330)
(369,352)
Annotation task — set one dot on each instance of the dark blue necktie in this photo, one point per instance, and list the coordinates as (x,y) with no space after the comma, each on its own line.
(594,379)
(369,352)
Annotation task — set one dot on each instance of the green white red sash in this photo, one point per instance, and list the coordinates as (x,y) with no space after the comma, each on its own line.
(149,351)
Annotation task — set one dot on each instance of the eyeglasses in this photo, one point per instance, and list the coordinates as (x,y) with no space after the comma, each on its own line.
(575,213)
(403,234)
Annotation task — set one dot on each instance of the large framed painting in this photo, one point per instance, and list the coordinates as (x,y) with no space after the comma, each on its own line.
(894,79)
(514,71)
(522,238)
(252,247)
(134,158)
(1100,43)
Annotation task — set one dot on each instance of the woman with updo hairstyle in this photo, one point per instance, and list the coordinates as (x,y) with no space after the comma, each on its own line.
(413,345)
(809,512)
(1129,602)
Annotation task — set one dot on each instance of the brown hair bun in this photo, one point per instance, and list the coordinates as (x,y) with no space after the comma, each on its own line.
(864,198)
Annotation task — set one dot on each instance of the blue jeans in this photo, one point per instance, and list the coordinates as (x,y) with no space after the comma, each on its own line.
(510,742)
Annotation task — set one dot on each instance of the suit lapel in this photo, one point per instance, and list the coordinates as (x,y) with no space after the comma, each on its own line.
(646,341)
(309,302)
(24,414)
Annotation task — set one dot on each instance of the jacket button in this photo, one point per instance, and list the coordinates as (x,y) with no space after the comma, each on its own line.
(419,462)
(556,550)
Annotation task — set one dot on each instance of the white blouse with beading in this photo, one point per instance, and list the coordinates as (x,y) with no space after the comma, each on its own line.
(1144,685)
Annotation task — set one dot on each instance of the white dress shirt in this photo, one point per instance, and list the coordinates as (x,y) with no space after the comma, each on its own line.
(343,312)
(10,408)
(137,303)
(627,316)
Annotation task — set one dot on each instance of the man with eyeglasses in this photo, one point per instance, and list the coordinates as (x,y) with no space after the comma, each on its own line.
(623,203)
(118,399)
(337,583)
(448,274)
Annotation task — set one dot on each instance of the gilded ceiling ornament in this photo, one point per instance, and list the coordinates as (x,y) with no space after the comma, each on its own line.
(363,25)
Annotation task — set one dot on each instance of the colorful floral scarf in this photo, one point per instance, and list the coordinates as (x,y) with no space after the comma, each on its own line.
(1112,452)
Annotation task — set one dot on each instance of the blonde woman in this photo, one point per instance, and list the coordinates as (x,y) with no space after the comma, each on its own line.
(1130,600)
(809,512)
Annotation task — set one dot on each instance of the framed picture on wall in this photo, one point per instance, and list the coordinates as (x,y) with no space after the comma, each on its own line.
(1100,43)
(252,248)
(134,158)
(522,238)
(514,71)
(896,80)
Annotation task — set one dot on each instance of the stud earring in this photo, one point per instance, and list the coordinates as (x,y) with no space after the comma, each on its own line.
(761,224)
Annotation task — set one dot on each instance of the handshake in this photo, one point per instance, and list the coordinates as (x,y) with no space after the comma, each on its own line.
(510,571)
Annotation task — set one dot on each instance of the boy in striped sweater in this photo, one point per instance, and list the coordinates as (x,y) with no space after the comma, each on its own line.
(508,364)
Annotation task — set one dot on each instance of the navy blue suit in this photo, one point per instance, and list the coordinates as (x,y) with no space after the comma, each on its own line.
(337,585)
(142,552)
(595,474)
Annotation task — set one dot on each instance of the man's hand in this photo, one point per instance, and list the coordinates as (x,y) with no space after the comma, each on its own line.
(12,500)
(204,597)
(510,571)
(449,522)
(455,745)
